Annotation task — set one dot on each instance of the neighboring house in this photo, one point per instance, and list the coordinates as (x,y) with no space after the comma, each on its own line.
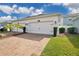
(44,24)
(76,22)
(68,21)
(76,25)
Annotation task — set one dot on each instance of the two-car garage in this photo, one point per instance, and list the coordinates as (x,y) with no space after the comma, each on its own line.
(42,24)
(40,28)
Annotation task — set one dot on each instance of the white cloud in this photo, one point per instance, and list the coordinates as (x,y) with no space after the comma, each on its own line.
(24,10)
(66,4)
(14,6)
(33,11)
(16,11)
(6,9)
(73,7)
(20,10)
(74,10)
(37,12)
(7,18)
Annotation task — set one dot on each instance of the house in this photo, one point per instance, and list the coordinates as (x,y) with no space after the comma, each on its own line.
(46,23)
(72,20)
(76,22)
(42,24)
(68,21)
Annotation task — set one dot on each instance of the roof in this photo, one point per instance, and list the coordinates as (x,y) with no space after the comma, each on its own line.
(75,16)
(72,15)
(38,16)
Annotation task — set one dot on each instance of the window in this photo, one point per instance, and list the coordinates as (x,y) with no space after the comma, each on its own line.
(38,21)
(70,19)
(55,22)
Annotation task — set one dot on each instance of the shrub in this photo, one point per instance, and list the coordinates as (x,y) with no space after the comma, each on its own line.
(3,30)
(61,30)
(72,30)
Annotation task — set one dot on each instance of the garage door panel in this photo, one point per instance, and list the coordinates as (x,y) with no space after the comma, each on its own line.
(41,28)
(47,28)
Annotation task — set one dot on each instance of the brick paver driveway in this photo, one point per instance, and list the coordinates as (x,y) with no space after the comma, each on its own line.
(24,44)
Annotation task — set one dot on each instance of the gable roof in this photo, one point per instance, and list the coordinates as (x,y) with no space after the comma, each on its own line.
(38,16)
(74,16)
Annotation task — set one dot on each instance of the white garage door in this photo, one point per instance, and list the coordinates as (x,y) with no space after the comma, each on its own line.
(41,28)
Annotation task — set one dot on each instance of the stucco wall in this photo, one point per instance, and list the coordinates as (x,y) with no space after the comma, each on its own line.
(76,24)
(67,21)
(45,25)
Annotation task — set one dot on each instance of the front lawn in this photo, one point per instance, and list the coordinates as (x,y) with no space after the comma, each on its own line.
(65,45)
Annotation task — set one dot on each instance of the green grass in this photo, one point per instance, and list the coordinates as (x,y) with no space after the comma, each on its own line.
(66,45)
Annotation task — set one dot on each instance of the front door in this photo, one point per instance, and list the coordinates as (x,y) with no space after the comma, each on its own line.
(55,31)
(24,29)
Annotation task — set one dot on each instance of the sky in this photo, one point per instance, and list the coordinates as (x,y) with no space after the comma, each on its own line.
(14,11)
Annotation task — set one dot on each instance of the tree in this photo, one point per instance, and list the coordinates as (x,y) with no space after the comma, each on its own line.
(12,26)
(9,26)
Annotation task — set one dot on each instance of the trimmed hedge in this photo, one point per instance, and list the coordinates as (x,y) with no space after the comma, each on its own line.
(72,30)
(61,30)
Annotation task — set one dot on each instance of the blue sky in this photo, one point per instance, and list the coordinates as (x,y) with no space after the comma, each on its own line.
(22,10)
